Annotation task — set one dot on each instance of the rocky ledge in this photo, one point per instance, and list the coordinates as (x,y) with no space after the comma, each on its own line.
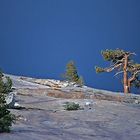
(65,89)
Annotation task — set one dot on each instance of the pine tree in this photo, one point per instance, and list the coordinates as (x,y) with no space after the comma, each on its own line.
(122,62)
(72,75)
(6,118)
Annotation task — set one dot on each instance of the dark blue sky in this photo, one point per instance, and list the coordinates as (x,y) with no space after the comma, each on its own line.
(38,37)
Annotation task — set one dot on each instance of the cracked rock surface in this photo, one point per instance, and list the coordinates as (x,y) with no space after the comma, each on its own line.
(44,117)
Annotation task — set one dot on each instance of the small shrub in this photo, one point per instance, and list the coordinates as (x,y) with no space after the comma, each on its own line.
(5,87)
(6,118)
(8,85)
(71,106)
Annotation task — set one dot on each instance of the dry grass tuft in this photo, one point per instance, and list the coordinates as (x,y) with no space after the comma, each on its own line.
(66,95)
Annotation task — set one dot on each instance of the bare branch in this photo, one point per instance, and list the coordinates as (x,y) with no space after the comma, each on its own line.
(132,53)
(112,68)
(118,73)
(134,76)
(119,61)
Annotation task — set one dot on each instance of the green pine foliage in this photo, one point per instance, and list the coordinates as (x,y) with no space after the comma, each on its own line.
(5,87)
(99,69)
(80,81)
(6,118)
(71,74)
(112,55)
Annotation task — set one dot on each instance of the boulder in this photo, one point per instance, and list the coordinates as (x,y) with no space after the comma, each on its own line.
(10,99)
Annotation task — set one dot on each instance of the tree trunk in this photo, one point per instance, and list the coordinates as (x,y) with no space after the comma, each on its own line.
(129,85)
(125,76)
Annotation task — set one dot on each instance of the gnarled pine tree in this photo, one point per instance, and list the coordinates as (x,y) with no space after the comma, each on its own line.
(122,62)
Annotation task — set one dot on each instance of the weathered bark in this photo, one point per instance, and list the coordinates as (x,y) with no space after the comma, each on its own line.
(125,75)
(129,86)
(130,80)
